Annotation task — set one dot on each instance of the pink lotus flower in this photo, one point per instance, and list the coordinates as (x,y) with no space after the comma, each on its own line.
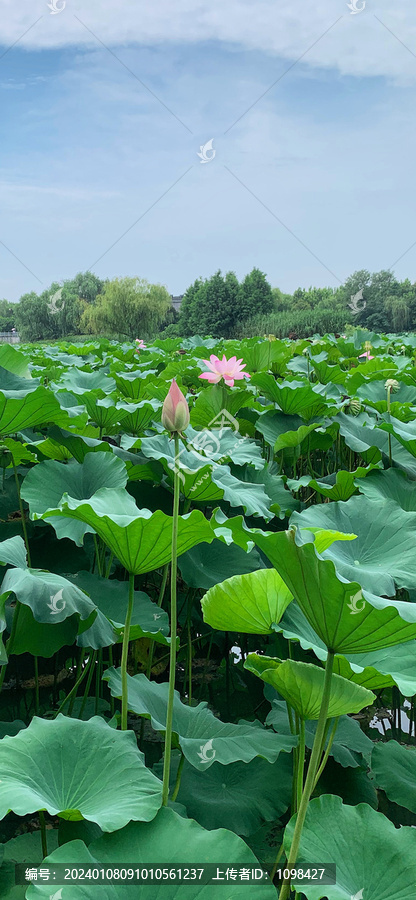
(367,355)
(230,370)
(140,345)
(175,411)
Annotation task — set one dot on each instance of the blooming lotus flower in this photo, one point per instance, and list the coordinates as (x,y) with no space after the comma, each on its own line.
(175,411)
(230,370)
(140,345)
(367,355)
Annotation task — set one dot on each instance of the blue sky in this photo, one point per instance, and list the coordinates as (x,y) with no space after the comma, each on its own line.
(314,181)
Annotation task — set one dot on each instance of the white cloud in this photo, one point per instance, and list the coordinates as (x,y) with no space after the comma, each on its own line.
(357,44)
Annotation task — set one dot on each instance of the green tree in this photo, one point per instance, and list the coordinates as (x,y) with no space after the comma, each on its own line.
(86,286)
(34,322)
(131,307)
(256,296)
(7,315)
(212,306)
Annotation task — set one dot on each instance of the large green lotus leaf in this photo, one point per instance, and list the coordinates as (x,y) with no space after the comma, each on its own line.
(77,770)
(222,442)
(361,435)
(375,392)
(266,354)
(247,603)
(201,737)
(293,397)
(169,839)
(241,796)
(383,555)
(341,485)
(51,597)
(102,410)
(13,385)
(136,417)
(111,598)
(394,770)
(392,486)
(46,483)
(328,374)
(14,361)
(135,384)
(18,452)
(374,860)
(80,382)
(350,745)
(11,728)
(329,604)
(404,432)
(76,445)
(374,670)
(211,403)
(140,539)
(250,496)
(25,849)
(38,638)
(161,447)
(302,684)
(280,430)
(282,503)
(204,480)
(208,564)
(13,552)
(28,407)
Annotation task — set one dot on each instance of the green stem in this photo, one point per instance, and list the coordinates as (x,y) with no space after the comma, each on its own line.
(310,778)
(97,555)
(159,603)
(388,410)
(88,684)
(22,515)
(279,855)
(43,833)
(110,563)
(35,660)
(78,679)
(124,654)
(173,629)
(327,752)
(178,779)
(72,694)
(9,643)
(301,763)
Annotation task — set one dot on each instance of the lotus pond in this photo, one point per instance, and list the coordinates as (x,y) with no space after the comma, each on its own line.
(208,616)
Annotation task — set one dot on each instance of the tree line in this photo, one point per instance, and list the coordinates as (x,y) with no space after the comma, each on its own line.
(219,306)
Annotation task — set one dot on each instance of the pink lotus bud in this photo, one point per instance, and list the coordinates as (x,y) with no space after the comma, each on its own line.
(175,412)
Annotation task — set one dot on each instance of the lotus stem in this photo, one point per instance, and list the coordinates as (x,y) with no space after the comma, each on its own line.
(173,629)
(22,515)
(310,778)
(124,654)
(175,791)
(43,833)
